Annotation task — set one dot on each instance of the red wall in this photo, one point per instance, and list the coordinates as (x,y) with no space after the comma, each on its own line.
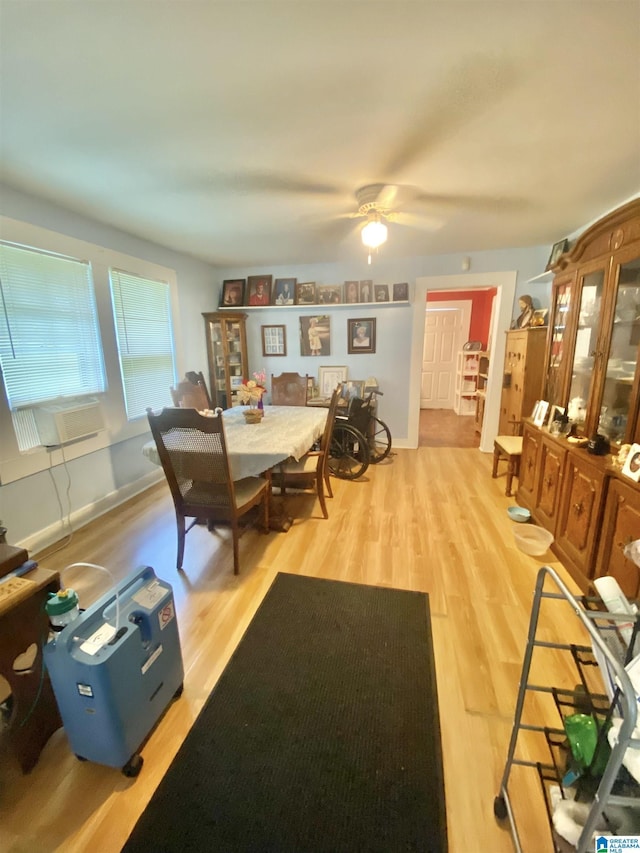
(480,310)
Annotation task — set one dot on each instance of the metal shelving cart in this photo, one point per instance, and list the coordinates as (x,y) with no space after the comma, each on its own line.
(599,665)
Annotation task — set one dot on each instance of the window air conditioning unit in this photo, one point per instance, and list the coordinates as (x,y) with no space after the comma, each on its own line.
(64,422)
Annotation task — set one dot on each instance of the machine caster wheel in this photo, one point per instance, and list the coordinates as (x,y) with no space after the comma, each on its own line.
(81,758)
(500,808)
(178,692)
(133,766)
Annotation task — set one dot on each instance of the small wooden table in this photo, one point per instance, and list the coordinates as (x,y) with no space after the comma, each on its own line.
(34,715)
(507,447)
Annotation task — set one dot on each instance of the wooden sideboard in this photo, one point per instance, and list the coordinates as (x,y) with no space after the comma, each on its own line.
(591,508)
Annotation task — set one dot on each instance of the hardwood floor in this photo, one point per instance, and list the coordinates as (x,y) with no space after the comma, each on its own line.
(431,520)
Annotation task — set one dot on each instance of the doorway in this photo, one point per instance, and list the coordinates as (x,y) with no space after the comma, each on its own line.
(505,284)
(446,329)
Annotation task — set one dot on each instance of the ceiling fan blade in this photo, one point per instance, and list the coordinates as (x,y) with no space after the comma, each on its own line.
(255,182)
(498,204)
(466,93)
(418,221)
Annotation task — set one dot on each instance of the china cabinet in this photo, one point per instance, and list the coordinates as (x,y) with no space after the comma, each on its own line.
(592,372)
(592,351)
(227,355)
(522,377)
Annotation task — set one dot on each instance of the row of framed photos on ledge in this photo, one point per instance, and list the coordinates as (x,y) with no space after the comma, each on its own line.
(263,290)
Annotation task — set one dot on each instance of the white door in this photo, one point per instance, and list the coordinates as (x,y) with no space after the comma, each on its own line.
(446,330)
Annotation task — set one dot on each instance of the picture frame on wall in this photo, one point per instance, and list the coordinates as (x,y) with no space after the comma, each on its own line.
(274,340)
(284,291)
(401,291)
(352,292)
(315,335)
(329,294)
(365,290)
(381,292)
(329,378)
(361,336)
(557,249)
(306,293)
(232,292)
(259,289)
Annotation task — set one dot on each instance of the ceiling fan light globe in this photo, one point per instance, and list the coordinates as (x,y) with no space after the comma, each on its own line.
(374,234)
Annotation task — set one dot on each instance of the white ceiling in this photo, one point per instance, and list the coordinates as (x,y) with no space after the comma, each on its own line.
(238,132)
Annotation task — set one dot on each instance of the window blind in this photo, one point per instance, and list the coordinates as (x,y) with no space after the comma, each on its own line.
(49,336)
(142,313)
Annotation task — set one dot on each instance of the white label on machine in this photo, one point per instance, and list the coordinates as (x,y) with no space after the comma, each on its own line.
(98,639)
(150,595)
(150,661)
(166,615)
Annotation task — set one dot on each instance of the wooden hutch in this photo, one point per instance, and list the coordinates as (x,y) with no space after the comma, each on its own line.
(592,372)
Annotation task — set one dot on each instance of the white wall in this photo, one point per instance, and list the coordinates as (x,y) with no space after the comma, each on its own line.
(29,507)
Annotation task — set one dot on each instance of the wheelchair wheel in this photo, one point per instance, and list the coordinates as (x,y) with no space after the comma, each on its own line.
(348,453)
(379,441)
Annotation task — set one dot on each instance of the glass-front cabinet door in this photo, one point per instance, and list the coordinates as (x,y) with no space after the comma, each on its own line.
(560,342)
(585,354)
(617,404)
(227,353)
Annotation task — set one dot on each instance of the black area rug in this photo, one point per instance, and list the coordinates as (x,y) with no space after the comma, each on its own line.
(322,733)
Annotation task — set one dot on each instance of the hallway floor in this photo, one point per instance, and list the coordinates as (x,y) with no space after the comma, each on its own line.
(443,428)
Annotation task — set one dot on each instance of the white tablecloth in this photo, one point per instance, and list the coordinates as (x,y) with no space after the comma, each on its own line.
(284,431)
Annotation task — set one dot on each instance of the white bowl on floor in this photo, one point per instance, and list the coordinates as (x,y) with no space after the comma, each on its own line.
(533,540)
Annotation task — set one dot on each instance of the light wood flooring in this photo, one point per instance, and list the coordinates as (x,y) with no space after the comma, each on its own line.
(431,520)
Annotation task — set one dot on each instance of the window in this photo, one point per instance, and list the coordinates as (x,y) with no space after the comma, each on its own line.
(142,312)
(49,338)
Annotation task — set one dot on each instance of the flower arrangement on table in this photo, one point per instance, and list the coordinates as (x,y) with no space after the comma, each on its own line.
(251,391)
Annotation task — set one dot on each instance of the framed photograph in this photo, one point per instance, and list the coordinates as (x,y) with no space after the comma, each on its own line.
(381,292)
(401,291)
(306,293)
(274,340)
(365,291)
(361,336)
(236,381)
(353,388)
(315,335)
(329,294)
(352,292)
(631,467)
(232,292)
(329,378)
(540,412)
(284,291)
(556,250)
(259,289)
(539,317)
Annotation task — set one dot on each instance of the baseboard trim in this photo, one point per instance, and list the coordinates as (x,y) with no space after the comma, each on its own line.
(46,537)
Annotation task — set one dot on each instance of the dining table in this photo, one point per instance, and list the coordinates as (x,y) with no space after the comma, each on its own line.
(284,432)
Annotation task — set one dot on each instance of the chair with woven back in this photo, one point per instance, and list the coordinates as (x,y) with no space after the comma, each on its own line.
(191,392)
(193,453)
(289,389)
(312,470)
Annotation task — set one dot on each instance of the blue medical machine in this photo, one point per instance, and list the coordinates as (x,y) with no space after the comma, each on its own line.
(115,668)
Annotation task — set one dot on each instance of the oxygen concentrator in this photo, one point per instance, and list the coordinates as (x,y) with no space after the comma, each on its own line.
(115,668)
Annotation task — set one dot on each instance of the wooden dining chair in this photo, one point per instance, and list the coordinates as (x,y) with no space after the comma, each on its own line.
(191,392)
(312,470)
(193,453)
(289,389)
